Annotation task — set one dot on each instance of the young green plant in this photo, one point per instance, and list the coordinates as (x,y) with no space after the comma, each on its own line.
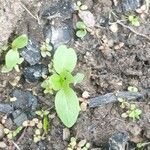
(46,48)
(66,101)
(134,20)
(80,6)
(12,57)
(131,110)
(81,29)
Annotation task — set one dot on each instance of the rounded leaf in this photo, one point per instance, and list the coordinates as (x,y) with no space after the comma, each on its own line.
(12,58)
(78,78)
(80,25)
(64,59)
(20,42)
(81,33)
(67,106)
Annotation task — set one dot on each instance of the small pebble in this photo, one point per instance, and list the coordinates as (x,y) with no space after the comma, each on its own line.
(2,145)
(66,134)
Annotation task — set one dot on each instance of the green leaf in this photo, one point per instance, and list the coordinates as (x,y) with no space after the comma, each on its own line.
(45,124)
(78,78)
(66,78)
(81,33)
(64,59)
(55,82)
(12,58)
(130,18)
(67,106)
(20,42)
(80,25)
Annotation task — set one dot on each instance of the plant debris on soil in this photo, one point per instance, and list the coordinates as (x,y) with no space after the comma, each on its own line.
(113,55)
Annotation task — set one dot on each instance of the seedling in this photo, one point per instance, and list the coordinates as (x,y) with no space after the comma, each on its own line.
(81,145)
(12,134)
(80,6)
(81,29)
(131,110)
(134,20)
(132,89)
(66,101)
(44,115)
(46,48)
(12,58)
(142,145)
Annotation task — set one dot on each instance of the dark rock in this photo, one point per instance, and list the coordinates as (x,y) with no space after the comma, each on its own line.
(62,9)
(31,53)
(129,5)
(113,97)
(118,141)
(42,145)
(6,108)
(19,117)
(25,100)
(59,34)
(103,21)
(34,73)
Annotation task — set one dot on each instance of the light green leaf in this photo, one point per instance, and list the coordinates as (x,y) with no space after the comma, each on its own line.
(64,59)
(20,42)
(55,82)
(45,124)
(78,78)
(12,58)
(80,25)
(81,33)
(67,106)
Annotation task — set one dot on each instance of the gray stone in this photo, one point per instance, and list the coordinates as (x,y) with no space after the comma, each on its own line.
(19,117)
(25,100)
(113,97)
(119,141)
(31,53)
(5,108)
(129,5)
(61,34)
(62,9)
(34,73)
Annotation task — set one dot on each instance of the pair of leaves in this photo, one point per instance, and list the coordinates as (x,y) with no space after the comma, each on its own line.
(134,20)
(66,101)
(81,29)
(12,57)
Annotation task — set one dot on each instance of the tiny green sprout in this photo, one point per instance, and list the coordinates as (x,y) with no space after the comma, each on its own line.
(46,48)
(131,110)
(44,115)
(12,134)
(12,57)
(134,20)
(80,6)
(132,89)
(81,29)
(141,145)
(80,145)
(66,101)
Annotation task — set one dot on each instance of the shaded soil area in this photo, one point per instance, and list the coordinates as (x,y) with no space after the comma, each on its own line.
(110,61)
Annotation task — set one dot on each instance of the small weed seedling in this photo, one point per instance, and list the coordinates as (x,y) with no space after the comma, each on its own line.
(66,101)
(81,29)
(134,20)
(12,58)
(80,6)
(142,145)
(81,145)
(46,48)
(12,134)
(131,110)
